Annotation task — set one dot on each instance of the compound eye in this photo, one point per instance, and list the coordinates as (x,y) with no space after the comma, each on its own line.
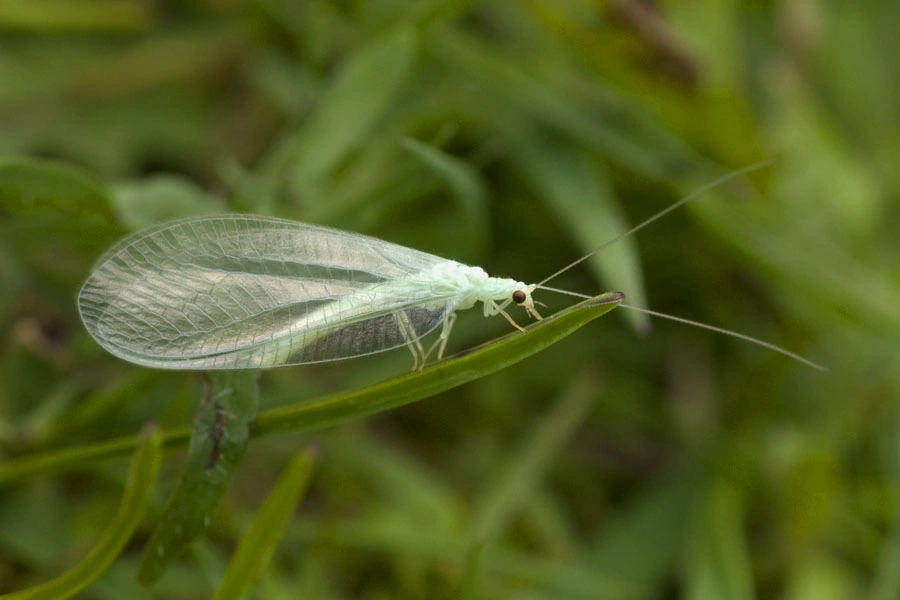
(518,296)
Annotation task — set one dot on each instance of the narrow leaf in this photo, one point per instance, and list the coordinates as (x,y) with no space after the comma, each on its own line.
(518,481)
(150,200)
(30,186)
(348,110)
(85,15)
(351,106)
(641,545)
(218,441)
(339,408)
(463,180)
(576,189)
(719,564)
(258,544)
(141,476)
(460,369)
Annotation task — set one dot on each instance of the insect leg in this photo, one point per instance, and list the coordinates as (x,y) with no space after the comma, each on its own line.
(533,312)
(412,342)
(496,309)
(445,333)
(441,342)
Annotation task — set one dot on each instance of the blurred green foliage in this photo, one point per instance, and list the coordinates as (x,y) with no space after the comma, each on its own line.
(516,135)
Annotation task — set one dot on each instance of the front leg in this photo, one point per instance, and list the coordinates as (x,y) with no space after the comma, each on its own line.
(495,309)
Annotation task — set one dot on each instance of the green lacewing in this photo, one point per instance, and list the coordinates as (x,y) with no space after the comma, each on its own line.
(249,292)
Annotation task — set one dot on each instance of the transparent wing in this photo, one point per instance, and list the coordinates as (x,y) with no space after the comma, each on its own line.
(240,291)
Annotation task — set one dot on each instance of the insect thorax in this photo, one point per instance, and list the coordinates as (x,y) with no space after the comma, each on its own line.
(471,284)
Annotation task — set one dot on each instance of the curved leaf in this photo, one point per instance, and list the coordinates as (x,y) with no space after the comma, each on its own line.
(141,475)
(30,186)
(464,181)
(460,369)
(218,442)
(339,408)
(577,190)
(259,542)
(348,110)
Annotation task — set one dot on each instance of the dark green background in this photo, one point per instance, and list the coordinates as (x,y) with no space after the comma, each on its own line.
(634,459)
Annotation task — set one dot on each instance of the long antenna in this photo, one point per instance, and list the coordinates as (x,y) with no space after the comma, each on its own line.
(734,334)
(701,190)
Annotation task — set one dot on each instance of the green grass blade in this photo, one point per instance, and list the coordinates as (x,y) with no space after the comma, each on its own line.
(358,97)
(465,182)
(88,15)
(463,368)
(657,513)
(145,202)
(141,476)
(340,408)
(258,544)
(349,110)
(518,481)
(577,190)
(718,567)
(218,442)
(30,186)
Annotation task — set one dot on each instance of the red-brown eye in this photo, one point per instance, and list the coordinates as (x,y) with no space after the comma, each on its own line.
(518,297)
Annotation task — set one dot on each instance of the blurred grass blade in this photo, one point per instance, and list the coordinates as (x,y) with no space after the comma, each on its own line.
(339,408)
(30,186)
(576,189)
(518,481)
(401,481)
(256,547)
(622,136)
(545,579)
(886,582)
(348,111)
(718,566)
(65,15)
(643,544)
(141,476)
(813,264)
(150,200)
(465,183)
(218,441)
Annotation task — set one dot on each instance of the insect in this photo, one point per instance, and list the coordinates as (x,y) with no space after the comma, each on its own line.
(250,292)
